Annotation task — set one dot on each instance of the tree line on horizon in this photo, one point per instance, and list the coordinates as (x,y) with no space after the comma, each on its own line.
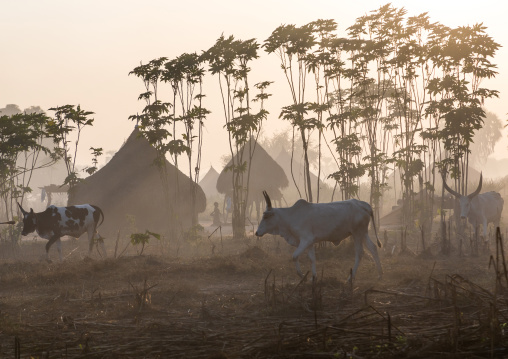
(397,92)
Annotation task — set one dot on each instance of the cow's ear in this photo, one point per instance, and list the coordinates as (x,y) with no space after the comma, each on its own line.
(267,214)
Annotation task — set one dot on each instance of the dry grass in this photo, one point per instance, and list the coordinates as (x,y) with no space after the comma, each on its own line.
(245,300)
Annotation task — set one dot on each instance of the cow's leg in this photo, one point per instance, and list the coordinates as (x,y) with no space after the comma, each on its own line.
(52,240)
(297,265)
(373,250)
(485,227)
(101,242)
(59,248)
(91,234)
(311,253)
(358,239)
(304,244)
(103,248)
(90,244)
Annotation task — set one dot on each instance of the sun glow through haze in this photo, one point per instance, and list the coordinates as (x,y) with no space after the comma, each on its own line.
(80,52)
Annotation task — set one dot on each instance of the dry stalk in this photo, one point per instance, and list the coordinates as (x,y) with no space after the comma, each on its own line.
(267,296)
(142,297)
(304,278)
(406,295)
(499,244)
(17,348)
(116,242)
(127,246)
(427,290)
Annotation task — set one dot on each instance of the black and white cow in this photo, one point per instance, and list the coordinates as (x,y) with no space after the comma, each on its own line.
(56,222)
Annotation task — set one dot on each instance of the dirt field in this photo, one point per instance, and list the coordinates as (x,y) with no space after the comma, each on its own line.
(214,298)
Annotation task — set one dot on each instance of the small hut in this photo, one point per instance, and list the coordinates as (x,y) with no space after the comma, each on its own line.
(133,196)
(265,175)
(209,183)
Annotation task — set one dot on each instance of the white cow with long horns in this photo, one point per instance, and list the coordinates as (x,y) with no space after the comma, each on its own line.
(306,223)
(479,208)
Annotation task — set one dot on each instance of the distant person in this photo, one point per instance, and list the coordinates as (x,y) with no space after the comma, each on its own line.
(216,214)
(228,208)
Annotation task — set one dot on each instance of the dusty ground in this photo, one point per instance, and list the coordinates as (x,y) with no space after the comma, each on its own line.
(228,298)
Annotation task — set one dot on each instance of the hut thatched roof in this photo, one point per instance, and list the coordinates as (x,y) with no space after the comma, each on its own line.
(284,159)
(130,187)
(265,175)
(291,194)
(209,182)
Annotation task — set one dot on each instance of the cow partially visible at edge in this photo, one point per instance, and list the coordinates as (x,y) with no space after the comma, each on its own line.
(56,222)
(479,208)
(305,224)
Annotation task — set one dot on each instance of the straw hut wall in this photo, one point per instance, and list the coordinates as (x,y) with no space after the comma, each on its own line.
(131,193)
(265,175)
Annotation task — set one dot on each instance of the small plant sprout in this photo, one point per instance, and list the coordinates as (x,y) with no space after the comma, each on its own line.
(143,238)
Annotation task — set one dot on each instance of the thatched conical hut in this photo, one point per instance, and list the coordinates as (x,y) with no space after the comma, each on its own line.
(296,171)
(265,175)
(209,182)
(130,191)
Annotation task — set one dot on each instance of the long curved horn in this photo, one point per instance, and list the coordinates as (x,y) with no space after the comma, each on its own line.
(449,189)
(475,193)
(22,210)
(267,199)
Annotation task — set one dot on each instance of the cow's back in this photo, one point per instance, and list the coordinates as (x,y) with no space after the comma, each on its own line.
(73,220)
(488,204)
(497,204)
(363,205)
(336,221)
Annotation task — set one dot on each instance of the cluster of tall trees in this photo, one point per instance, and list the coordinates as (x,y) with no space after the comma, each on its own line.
(397,92)
(175,126)
(31,140)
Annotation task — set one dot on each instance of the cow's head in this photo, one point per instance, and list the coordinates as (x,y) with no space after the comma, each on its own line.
(268,222)
(29,221)
(464,201)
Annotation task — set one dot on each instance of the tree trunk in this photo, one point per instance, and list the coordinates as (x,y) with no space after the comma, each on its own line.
(306,164)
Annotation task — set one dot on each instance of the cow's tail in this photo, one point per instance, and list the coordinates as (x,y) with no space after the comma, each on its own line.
(101,214)
(374,225)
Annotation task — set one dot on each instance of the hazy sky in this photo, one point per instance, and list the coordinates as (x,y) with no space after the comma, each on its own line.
(80,52)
